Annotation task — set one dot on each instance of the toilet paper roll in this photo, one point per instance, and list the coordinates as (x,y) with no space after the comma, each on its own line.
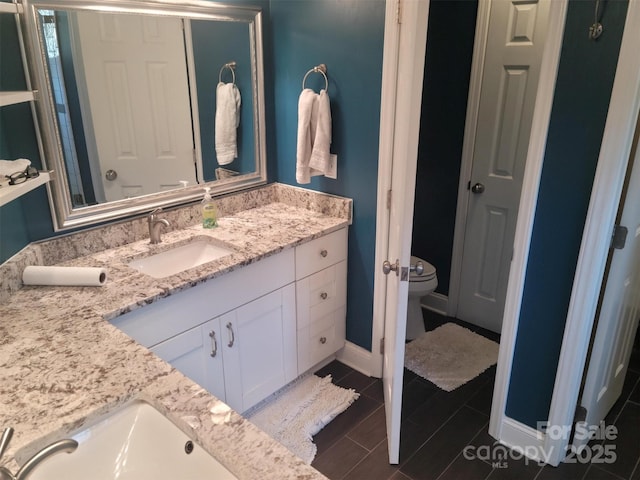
(64,276)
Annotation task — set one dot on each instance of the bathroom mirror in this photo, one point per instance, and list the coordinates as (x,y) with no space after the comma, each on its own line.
(129,105)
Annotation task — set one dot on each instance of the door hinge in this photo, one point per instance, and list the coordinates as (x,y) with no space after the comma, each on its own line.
(619,237)
(399,12)
(382,346)
(388,199)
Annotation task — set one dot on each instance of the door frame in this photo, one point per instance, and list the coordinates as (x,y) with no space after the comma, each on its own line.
(468,146)
(526,212)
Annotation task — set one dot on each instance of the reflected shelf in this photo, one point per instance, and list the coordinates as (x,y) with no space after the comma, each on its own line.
(6,7)
(11,192)
(12,98)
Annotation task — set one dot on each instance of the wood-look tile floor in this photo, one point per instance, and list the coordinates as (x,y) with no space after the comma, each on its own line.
(438,425)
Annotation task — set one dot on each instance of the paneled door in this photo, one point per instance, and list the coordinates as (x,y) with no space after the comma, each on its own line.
(514,48)
(136,94)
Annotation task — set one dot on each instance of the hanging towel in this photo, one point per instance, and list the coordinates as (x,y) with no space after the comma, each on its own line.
(9,167)
(322,138)
(314,135)
(227,120)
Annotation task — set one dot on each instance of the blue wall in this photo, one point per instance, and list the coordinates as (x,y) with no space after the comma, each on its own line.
(583,89)
(348,36)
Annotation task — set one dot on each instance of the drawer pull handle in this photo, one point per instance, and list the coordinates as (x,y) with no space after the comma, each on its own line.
(231,335)
(214,343)
(323,340)
(324,295)
(324,253)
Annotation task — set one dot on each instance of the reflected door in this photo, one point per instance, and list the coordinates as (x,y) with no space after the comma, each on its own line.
(134,89)
(517,30)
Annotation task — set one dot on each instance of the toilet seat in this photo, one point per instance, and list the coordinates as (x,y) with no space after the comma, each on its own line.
(428,274)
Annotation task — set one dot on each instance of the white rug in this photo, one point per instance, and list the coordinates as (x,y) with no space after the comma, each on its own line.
(300,410)
(450,355)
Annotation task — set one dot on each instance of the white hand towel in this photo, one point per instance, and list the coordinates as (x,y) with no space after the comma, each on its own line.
(9,167)
(322,138)
(307,117)
(227,121)
(314,135)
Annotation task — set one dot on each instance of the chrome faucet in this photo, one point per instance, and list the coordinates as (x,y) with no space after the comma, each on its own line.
(154,226)
(67,445)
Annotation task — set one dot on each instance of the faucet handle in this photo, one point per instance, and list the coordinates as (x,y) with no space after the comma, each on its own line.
(5,439)
(154,212)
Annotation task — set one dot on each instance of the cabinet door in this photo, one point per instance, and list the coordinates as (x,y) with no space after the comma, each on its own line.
(260,348)
(197,353)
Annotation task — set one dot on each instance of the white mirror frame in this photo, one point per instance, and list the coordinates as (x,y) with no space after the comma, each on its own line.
(64,215)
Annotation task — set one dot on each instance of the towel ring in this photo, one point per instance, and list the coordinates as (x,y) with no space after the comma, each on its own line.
(231,66)
(322,69)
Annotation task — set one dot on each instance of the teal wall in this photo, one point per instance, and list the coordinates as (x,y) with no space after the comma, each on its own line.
(583,89)
(347,36)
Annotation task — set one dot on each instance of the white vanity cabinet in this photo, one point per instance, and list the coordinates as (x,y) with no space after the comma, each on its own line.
(321,298)
(242,356)
(249,332)
(246,317)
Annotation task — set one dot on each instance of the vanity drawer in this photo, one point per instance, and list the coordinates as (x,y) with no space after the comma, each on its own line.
(321,253)
(321,338)
(321,293)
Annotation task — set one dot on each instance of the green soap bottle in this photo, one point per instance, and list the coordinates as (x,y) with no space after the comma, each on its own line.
(209,211)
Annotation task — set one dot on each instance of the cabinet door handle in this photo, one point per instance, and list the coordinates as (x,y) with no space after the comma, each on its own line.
(231,336)
(214,343)
(324,295)
(323,340)
(323,253)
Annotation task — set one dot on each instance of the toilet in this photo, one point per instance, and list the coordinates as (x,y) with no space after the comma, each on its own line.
(419,286)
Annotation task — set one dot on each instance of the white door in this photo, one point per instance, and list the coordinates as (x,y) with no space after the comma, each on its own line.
(259,345)
(137,96)
(618,318)
(517,30)
(197,353)
(400,126)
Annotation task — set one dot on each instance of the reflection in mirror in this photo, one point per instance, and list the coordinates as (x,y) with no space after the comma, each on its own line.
(132,114)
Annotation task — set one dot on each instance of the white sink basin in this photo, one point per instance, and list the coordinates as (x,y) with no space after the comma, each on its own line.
(179,259)
(137,442)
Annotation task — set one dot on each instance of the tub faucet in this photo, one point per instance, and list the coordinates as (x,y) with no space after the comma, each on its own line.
(67,445)
(154,226)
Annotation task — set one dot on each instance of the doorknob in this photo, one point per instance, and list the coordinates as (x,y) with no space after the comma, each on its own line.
(111,175)
(388,267)
(418,268)
(477,188)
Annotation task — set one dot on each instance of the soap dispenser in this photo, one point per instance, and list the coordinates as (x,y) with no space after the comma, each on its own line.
(209,211)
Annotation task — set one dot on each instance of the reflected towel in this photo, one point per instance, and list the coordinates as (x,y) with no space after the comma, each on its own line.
(227,120)
(314,135)
(9,167)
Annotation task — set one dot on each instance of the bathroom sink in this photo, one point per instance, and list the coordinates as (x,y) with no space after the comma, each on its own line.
(180,258)
(136,442)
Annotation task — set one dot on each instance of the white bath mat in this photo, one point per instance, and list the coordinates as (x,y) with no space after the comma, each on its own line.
(300,410)
(450,355)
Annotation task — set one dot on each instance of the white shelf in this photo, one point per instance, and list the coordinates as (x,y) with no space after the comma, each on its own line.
(11,192)
(11,98)
(6,7)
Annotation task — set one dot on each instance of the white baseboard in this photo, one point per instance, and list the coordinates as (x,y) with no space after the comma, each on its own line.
(436,302)
(356,357)
(524,440)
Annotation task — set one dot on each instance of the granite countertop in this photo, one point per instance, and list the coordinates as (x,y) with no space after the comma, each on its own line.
(63,365)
